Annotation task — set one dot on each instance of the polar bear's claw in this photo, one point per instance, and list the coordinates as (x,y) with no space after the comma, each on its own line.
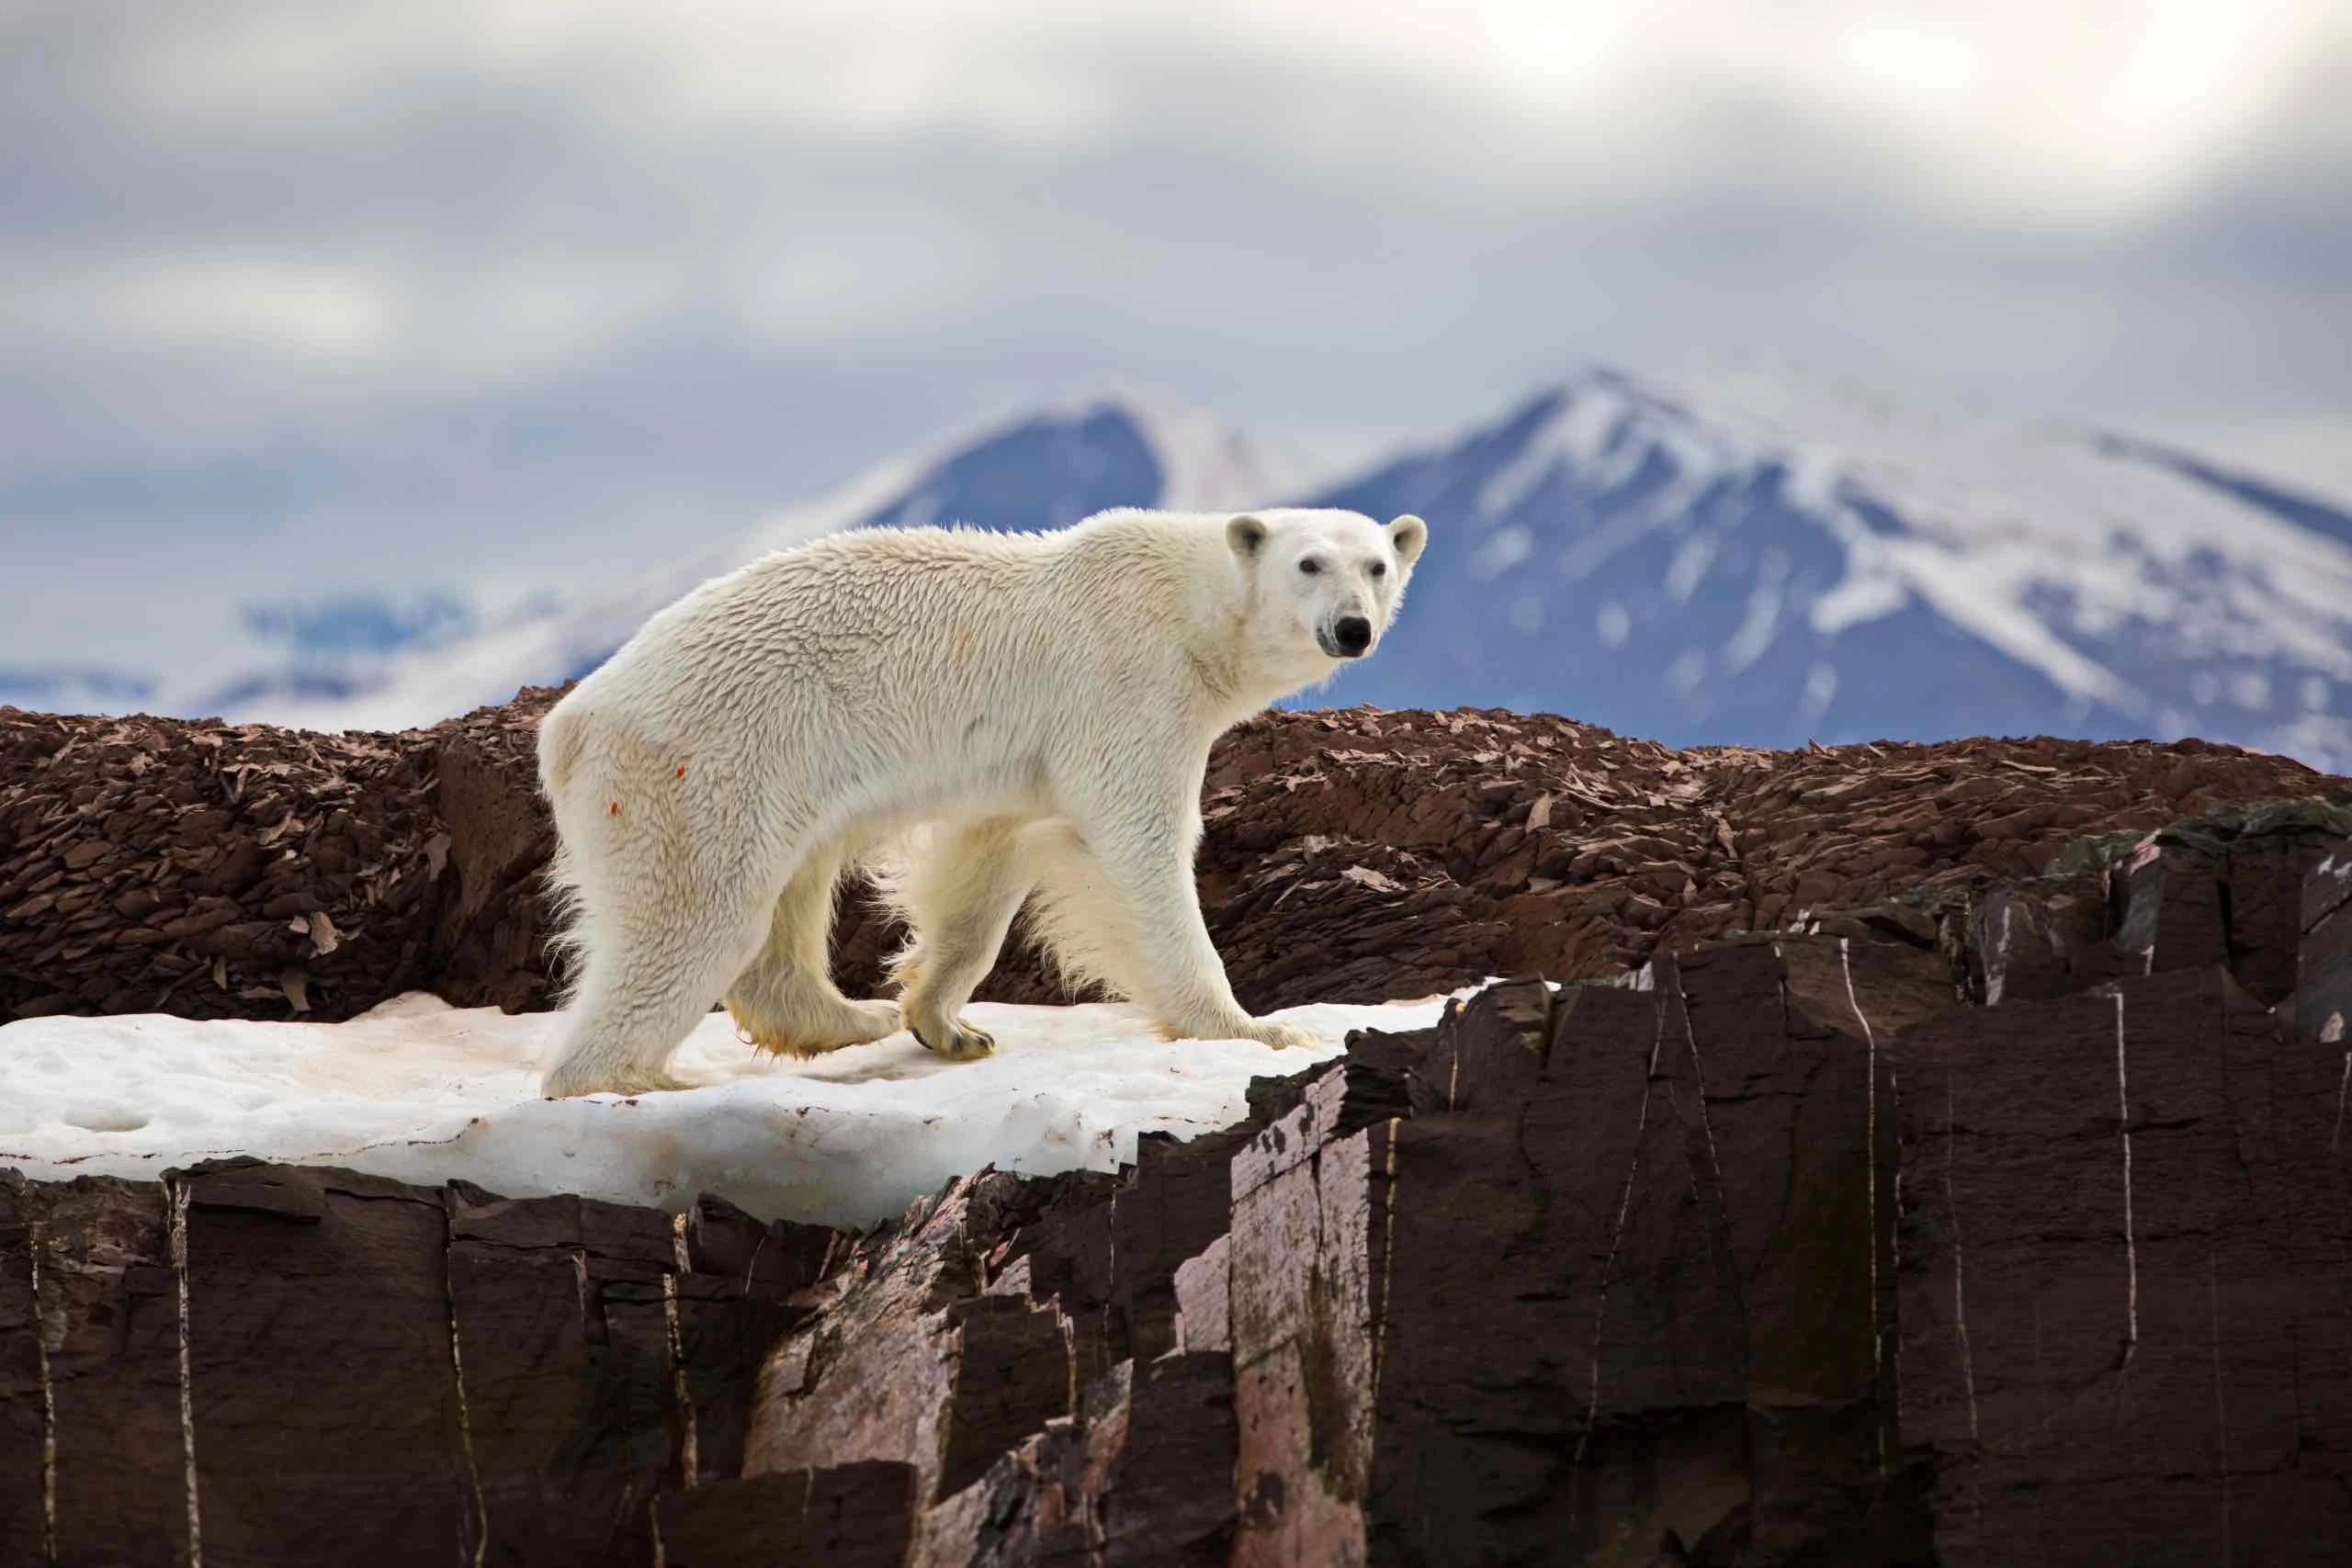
(860,1023)
(781,1046)
(963,1045)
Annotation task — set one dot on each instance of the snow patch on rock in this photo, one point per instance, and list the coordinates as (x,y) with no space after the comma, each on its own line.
(421,1091)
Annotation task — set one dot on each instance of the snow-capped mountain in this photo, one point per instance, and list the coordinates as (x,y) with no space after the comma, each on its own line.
(1043,471)
(1741,557)
(1752,559)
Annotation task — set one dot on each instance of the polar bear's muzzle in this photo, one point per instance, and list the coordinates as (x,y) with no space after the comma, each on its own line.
(1350,637)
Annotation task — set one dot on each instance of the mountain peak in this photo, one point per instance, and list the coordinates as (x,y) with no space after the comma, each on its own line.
(1768,559)
(1207,463)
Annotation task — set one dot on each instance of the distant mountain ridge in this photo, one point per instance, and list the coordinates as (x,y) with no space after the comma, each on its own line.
(1743,558)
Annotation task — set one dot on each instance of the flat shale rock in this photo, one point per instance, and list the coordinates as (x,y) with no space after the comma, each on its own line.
(152,865)
(241,871)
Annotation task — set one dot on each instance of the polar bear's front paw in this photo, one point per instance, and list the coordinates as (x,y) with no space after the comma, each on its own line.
(961,1044)
(1282,1036)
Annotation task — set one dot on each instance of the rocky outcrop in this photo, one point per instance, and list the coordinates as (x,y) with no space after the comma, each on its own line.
(150,866)
(1976,1226)
(219,870)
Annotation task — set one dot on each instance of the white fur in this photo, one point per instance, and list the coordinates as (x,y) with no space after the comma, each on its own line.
(988,719)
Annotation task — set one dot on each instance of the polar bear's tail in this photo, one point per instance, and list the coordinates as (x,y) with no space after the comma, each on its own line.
(559,743)
(562,737)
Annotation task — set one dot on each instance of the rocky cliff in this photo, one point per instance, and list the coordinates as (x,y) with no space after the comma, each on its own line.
(1989,1206)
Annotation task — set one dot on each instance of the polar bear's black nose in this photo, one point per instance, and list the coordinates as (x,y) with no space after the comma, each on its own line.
(1353,634)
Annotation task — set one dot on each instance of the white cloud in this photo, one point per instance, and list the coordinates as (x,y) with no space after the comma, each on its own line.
(2013,110)
(631,261)
(341,311)
(277,304)
(2314,451)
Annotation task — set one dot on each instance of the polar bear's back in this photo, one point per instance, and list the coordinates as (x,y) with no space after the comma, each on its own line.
(886,638)
(892,595)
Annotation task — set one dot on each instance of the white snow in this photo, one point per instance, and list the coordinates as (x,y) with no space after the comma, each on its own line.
(1603,431)
(1688,671)
(420,1091)
(1763,618)
(1984,590)
(1690,566)
(1506,549)
(1995,510)
(1863,596)
(1208,465)
(1820,690)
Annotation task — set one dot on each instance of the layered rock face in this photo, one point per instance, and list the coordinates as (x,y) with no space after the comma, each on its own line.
(1991,1208)
(217,872)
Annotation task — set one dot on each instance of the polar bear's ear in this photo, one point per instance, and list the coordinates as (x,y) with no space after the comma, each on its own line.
(1408,534)
(1247,534)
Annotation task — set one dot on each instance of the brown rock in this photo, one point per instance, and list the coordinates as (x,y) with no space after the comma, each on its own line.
(855,1515)
(2126,1208)
(1353,856)
(96,1368)
(1786,1247)
(372,1371)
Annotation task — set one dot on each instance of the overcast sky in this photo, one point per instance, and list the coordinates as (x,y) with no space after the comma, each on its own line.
(294,291)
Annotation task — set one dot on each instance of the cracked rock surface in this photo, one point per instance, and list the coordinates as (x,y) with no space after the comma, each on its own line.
(216,871)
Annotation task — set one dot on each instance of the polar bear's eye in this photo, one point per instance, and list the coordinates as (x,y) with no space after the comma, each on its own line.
(1380,569)
(1310,566)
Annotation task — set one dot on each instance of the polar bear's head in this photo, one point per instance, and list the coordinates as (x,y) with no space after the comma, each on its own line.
(1326,583)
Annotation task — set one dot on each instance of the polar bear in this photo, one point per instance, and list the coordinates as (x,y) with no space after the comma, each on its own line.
(989,719)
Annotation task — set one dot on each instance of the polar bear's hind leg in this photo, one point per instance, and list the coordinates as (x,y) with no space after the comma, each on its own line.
(786,999)
(958,894)
(647,974)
